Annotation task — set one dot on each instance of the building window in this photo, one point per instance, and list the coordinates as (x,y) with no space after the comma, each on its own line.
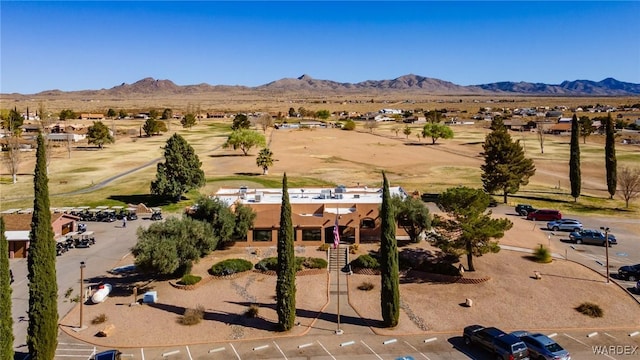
(368,223)
(262,235)
(312,234)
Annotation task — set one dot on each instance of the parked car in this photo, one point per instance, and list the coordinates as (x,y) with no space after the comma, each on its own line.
(565,224)
(545,215)
(592,237)
(502,345)
(524,209)
(108,355)
(630,272)
(541,347)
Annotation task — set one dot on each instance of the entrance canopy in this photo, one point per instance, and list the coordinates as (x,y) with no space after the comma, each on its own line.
(339,211)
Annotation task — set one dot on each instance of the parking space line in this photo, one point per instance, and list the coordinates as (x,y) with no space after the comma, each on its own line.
(189,353)
(236,352)
(370,349)
(325,349)
(142,353)
(80,356)
(572,338)
(609,335)
(416,350)
(170,353)
(87,349)
(216,350)
(281,352)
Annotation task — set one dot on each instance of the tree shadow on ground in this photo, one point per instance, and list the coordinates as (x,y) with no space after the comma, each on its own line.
(149,200)
(122,286)
(225,155)
(577,206)
(471,352)
(248,173)
(313,314)
(222,317)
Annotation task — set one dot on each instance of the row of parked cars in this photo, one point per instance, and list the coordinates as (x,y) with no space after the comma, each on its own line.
(518,345)
(578,234)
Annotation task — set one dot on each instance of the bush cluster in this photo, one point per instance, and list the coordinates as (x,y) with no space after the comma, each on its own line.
(192,316)
(99,319)
(365,261)
(190,279)
(271,263)
(252,311)
(323,247)
(366,286)
(230,266)
(590,309)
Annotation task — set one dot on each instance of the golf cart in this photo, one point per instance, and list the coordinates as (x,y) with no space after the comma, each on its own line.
(131,214)
(157,214)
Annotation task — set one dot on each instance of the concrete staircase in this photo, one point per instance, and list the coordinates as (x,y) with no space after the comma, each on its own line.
(338,258)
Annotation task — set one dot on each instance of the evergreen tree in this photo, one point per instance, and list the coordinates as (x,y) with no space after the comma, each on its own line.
(240,121)
(390,281)
(99,134)
(180,172)
(6,321)
(610,160)
(42,333)
(574,158)
(505,167)
(286,283)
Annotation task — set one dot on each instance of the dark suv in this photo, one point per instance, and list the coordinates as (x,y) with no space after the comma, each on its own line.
(545,215)
(524,209)
(502,345)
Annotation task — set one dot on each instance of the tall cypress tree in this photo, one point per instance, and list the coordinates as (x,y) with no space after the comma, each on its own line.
(574,159)
(6,321)
(390,280)
(610,160)
(42,333)
(505,167)
(286,284)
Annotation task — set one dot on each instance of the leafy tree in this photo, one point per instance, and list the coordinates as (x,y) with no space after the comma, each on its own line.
(13,121)
(167,114)
(42,332)
(406,131)
(111,113)
(323,114)
(574,159)
(505,167)
(217,213)
(286,283)
(122,114)
(471,227)
(370,125)
(349,125)
(436,131)
(586,127)
(412,216)
(244,140)
(150,126)
(161,126)
(389,270)
(99,134)
(265,160)
(180,172)
(629,183)
(170,247)
(188,120)
(240,121)
(6,321)
(245,216)
(292,112)
(433,116)
(68,114)
(396,129)
(610,159)
(154,114)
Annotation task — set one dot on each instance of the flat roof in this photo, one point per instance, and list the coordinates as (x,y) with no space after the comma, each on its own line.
(338,195)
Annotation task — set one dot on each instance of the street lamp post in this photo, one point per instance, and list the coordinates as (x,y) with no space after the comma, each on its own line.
(606,247)
(82,266)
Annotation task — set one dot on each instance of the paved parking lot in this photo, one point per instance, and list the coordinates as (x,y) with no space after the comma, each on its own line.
(582,345)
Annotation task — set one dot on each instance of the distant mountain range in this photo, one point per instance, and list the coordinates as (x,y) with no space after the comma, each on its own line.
(407,83)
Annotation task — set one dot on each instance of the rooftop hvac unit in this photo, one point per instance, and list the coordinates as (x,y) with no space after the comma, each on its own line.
(339,196)
(356,196)
(258,197)
(341,189)
(243,189)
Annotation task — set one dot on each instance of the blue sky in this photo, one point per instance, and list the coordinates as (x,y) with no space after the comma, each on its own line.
(92,45)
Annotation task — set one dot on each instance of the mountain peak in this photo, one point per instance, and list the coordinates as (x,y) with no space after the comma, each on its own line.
(305,77)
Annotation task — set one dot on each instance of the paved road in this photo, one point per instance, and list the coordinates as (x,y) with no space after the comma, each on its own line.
(112,243)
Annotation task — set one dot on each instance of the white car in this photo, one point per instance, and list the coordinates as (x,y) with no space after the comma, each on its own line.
(564,224)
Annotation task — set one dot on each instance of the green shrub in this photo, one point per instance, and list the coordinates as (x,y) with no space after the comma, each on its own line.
(590,309)
(323,247)
(349,125)
(190,279)
(99,319)
(252,311)
(365,261)
(366,286)
(353,248)
(315,263)
(230,266)
(542,254)
(270,263)
(192,316)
